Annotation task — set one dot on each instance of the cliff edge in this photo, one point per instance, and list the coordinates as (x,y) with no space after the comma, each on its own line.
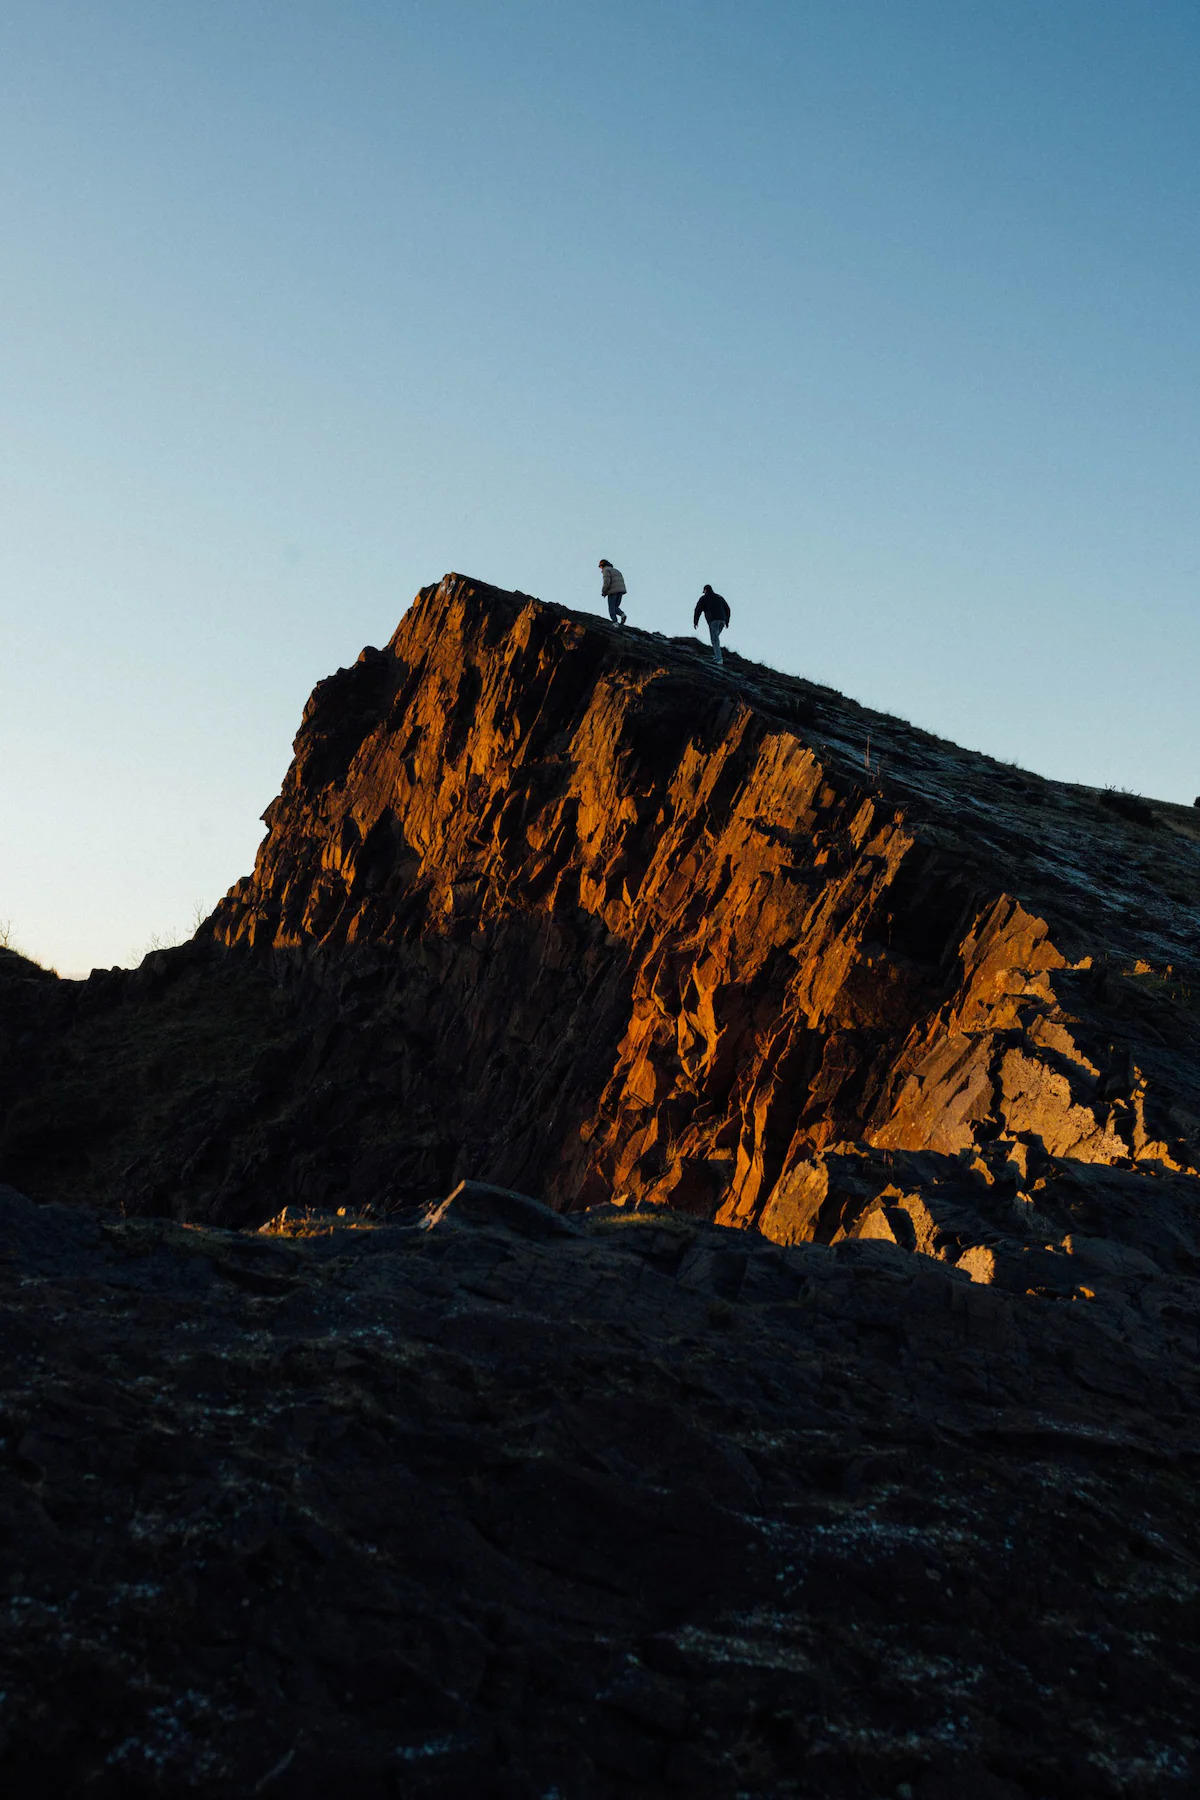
(443,1490)
(633,927)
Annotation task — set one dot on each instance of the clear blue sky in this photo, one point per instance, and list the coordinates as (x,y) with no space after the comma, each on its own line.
(880,316)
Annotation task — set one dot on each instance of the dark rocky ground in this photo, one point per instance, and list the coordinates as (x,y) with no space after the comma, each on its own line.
(489,1501)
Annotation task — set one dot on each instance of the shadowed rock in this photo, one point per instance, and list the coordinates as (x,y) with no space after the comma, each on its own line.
(476,1203)
(631,1504)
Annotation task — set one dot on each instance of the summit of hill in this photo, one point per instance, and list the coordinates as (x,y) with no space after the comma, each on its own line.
(649,1246)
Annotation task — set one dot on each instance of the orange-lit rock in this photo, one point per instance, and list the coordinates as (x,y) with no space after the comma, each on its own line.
(567,909)
(664,939)
(881,1484)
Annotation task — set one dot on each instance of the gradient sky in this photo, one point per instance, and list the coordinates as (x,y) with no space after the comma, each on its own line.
(882,317)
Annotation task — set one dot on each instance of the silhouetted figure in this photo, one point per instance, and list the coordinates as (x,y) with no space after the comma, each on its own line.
(612,589)
(715,608)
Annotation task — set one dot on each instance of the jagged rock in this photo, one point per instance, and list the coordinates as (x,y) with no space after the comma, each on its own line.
(572,911)
(829,1422)
(738,950)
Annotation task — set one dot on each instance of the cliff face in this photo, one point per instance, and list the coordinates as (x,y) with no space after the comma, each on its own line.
(489,1497)
(635,927)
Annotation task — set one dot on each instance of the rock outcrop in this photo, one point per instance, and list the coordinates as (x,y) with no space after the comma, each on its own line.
(801,1393)
(667,934)
(569,909)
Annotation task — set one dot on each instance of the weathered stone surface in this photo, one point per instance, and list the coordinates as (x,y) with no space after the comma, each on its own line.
(798,1392)
(763,951)
(569,910)
(646,1506)
(481,1203)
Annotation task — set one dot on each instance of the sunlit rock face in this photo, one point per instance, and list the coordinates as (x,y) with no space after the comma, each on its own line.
(621,925)
(874,1475)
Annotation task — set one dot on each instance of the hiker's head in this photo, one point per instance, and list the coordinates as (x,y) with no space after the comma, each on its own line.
(604,563)
(707,589)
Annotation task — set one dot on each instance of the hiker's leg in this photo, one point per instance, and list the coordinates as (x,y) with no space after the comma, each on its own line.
(614,608)
(714,632)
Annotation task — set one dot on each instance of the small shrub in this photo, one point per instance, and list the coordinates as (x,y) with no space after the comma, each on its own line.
(1127,805)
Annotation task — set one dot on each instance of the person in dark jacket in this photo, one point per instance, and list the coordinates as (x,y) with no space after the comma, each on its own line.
(715,608)
(612,589)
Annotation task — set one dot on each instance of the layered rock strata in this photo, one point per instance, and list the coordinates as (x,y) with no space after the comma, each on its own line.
(569,909)
(497,1498)
(667,933)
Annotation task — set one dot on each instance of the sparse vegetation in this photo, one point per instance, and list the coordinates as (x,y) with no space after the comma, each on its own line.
(1128,805)
(158,941)
(170,940)
(1162,983)
(8,942)
(315,1221)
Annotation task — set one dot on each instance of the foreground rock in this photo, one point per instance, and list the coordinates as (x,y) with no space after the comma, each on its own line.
(491,1502)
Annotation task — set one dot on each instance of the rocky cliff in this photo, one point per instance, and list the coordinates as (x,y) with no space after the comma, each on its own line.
(834,1428)
(661,933)
(570,909)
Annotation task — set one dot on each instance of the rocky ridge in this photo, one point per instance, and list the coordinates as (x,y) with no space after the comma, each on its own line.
(718,939)
(801,1395)
(569,909)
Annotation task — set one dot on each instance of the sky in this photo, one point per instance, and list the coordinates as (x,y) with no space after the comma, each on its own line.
(880,316)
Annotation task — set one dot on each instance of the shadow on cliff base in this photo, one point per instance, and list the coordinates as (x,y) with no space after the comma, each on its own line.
(221,1085)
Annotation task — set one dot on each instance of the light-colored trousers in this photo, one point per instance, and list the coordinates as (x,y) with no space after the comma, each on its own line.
(715,628)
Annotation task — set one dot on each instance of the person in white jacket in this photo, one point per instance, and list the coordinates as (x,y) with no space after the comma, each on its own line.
(612,589)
